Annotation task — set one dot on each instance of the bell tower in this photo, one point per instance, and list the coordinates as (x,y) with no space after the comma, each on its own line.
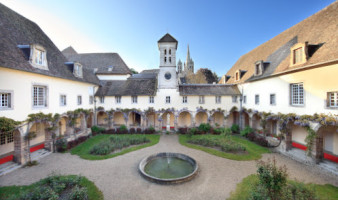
(167,77)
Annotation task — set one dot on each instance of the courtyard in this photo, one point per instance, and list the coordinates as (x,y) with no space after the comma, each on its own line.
(118,177)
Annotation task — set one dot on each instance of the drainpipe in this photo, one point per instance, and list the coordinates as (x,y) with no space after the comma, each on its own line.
(95,116)
(241,121)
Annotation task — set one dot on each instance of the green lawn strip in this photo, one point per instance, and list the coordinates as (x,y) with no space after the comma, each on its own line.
(83,149)
(254,151)
(13,192)
(243,189)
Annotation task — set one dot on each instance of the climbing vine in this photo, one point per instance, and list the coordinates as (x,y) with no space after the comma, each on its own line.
(310,138)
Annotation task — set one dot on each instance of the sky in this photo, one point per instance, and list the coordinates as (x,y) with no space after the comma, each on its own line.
(218,31)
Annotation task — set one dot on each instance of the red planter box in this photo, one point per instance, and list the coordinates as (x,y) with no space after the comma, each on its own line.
(6,159)
(40,146)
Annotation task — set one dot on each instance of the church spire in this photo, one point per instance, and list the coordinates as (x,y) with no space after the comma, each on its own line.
(188,55)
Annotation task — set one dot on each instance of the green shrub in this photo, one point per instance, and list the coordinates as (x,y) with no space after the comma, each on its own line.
(61,145)
(97,129)
(192,132)
(79,193)
(235,128)
(123,129)
(103,148)
(298,191)
(205,127)
(246,131)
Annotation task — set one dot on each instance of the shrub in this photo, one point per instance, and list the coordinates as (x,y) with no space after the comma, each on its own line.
(132,130)
(235,128)
(139,130)
(261,141)
(251,136)
(183,131)
(103,148)
(246,131)
(204,127)
(192,132)
(123,129)
(97,130)
(82,139)
(150,130)
(109,131)
(298,191)
(79,193)
(61,145)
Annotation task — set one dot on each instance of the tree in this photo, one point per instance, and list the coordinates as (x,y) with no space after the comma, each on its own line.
(133,71)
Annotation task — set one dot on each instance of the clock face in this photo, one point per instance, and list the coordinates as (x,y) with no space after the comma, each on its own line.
(167,76)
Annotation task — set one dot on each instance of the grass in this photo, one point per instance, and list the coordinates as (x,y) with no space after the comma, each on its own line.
(254,151)
(243,189)
(83,150)
(13,192)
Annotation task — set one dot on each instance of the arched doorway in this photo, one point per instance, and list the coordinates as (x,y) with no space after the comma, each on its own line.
(327,143)
(152,119)
(38,142)
(134,119)
(102,119)
(118,119)
(218,119)
(62,126)
(90,120)
(168,118)
(256,122)
(201,117)
(184,119)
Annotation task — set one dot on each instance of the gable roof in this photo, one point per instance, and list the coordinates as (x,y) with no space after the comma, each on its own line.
(319,29)
(208,89)
(167,38)
(99,61)
(128,87)
(17,30)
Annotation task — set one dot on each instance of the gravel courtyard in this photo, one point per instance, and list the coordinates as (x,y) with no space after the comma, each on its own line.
(118,177)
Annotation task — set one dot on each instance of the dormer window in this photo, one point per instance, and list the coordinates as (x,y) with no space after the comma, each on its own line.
(110,68)
(259,68)
(298,54)
(38,57)
(77,70)
(237,76)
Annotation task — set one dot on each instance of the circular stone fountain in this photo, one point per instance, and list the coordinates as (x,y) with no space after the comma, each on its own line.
(168,168)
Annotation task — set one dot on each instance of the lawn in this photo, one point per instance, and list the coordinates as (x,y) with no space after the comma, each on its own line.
(83,150)
(16,192)
(323,192)
(254,151)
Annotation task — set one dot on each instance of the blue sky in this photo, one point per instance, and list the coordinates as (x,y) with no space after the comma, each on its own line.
(218,32)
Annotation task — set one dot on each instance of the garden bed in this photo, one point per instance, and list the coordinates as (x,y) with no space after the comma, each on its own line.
(84,150)
(252,150)
(54,187)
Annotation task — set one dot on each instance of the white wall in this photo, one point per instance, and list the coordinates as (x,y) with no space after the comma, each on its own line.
(317,82)
(22,82)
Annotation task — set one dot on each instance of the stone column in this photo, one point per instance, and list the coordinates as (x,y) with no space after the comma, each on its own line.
(19,148)
(288,140)
(48,140)
(175,123)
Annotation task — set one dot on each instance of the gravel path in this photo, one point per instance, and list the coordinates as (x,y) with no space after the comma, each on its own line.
(118,177)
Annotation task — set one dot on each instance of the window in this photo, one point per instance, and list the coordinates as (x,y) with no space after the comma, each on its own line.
(133,99)
(118,99)
(218,99)
(3,137)
(201,100)
(77,70)
(169,51)
(256,99)
(184,99)
(63,100)
(234,99)
(297,94)
(298,55)
(167,99)
(165,52)
(272,99)
(5,100)
(332,99)
(237,76)
(10,137)
(169,59)
(102,99)
(258,69)
(244,99)
(39,96)
(165,59)
(91,99)
(79,100)
(151,99)
(39,57)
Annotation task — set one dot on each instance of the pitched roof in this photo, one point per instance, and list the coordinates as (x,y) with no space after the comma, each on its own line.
(319,29)
(128,87)
(208,89)
(167,38)
(69,51)
(100,61)
(17,30)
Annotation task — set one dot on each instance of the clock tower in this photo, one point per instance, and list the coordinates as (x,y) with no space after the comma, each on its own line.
(167,77)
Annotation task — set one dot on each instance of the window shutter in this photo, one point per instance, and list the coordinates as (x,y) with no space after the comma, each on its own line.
(328,99)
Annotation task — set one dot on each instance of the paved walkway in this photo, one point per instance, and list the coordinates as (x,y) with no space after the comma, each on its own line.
(118,177)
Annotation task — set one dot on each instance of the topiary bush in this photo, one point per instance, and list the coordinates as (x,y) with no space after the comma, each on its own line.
(246,131)
(235,128)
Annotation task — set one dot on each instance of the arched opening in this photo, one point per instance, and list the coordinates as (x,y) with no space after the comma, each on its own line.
(271,127)
(246,119)
(233,118)
(201,117)
(80,124)
(90,120)
(165,52)
(298,137)
(218,119)
(168,119)
(184,119)
(327,143)
(118,118)
(38,142)
(102,119)
(151,119)
(7,145)
(62,126)
(256,122)
(134,119)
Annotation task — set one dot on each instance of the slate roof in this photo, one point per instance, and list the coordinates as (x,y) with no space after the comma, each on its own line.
(128,87)
(167,38)
(17,30)
(208,89)
(319,29)
(99,61)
